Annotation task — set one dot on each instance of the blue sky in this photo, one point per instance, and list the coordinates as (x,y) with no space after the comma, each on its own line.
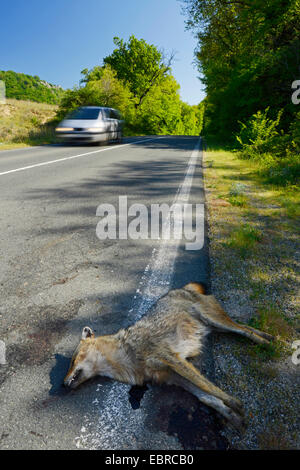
(56,39)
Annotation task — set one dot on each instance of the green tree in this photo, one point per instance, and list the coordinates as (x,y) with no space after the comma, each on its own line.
(160,111)
(105,90)
(140,65)
(248,55)
(136,80)
(192,119)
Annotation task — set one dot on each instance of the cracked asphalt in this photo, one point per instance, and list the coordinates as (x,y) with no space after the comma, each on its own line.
(56,276)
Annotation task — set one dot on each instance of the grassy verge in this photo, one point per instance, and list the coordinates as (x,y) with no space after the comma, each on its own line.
(25,123)
(256,227)
(253,231)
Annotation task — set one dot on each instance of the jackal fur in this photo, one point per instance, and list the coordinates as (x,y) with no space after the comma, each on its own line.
(157,348)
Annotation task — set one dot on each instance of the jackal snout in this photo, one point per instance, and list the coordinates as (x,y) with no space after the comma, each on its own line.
(82,363)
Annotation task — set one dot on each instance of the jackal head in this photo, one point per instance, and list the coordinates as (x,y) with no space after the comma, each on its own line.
(83,361)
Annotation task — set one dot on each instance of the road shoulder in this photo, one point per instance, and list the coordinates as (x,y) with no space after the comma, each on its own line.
(253,247)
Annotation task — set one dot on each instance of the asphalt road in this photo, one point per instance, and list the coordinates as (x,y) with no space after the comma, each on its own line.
(56,277)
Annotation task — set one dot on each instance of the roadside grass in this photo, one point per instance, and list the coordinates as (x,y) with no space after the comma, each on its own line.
(24,123)
(274,438)
(244,239)
(290,201)
(253,238)
(239,200)
(12,146)
(253,233)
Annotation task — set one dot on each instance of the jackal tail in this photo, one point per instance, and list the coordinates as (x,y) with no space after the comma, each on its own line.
(197,287)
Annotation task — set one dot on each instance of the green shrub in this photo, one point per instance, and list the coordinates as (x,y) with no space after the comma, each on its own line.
(237,189)
(237,196)
(281,171)
(295,134)
(275,153)
(259,135)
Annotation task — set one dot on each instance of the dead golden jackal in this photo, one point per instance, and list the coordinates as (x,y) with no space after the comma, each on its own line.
(157,347)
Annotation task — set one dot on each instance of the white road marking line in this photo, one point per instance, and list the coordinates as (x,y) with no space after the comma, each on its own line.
(116,422)
(75,156)
(2,353)
(159,272)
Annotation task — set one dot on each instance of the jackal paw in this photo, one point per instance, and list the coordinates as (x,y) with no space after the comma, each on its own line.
(236,405)
(237,420)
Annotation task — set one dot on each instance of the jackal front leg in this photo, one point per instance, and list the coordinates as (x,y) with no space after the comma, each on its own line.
(233,417)
(188,377)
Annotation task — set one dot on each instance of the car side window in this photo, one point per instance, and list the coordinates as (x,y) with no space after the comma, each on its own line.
(114,114)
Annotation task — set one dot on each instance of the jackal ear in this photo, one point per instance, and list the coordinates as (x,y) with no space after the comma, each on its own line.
(87,332)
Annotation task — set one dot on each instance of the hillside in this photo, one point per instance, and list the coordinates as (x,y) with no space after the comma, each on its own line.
(25,123)
(26,87)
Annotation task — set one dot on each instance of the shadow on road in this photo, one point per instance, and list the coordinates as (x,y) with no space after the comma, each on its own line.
(57,375)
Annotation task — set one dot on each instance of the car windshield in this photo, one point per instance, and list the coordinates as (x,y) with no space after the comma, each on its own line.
(84,113)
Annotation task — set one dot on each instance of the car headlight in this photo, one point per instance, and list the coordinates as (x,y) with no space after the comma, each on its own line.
(64,129)
(94,129)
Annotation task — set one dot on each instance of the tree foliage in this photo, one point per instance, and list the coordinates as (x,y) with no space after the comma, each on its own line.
(137,80)
(139,64)
(249,55)
(32,88)
(104,90)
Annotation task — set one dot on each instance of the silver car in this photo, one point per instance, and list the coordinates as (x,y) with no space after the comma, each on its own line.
(91,124)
